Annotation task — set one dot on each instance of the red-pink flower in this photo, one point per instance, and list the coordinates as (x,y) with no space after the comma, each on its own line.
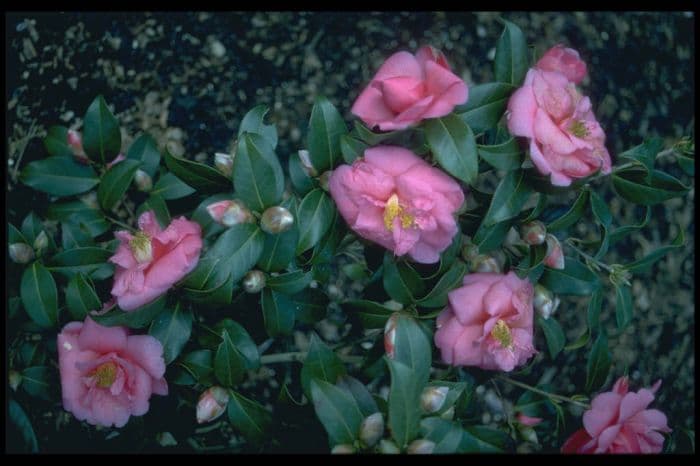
(564,60)
(408,89)
(619,422)
(108,375)
(566,140)
(150,261)
(394,198)
(488,323)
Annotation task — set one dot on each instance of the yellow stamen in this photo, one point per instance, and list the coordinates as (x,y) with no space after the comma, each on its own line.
(393,210)
(105,374)
(501,333)
(578,129)
(140,245)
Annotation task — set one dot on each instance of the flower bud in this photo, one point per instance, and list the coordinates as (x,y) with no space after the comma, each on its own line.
(432,398)
(388,447)
(555,255)
(224,163)
(534,232)
(75,141)
(306,164)
(276,220)
(15,378)
(528,420)
(21,253)
(212,404)
(469,251)
(324,179)
(343,449)
(166,439)
(41,241)
(543,301)
(528,434)
(143,181)
(390,334)
(484,263)
(372,429)
(254,281)
(420,447)
(230,213)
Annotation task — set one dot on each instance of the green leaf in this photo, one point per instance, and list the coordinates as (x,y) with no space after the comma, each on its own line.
(79,213)
(59,176)
(508,199)
(301,182)
(56,142)
(115,182)
(645,154)
(75,235)
(145,149)
(239,249)
(351,148)
(368,136)
(401,282)
(412,347)
(574,279)
(360,393)
(257,174)
(21,421)
(632,186)
(594,307)
(572,215)
(138,318)
(249,417)
(278,313)
(36,381)
(451,280)
(554,335)
(31,353)
(505,156)
(172,328)
(488,238)
(643,264)
(314,218)
(404,402)
(453,146)
(337,410)
(623,306)
(197,175)
(446,435)
(619,233)
(290,283)
(371,314)
(326,125)
(171,187)
(511,61)
(279,250)
(253,122)
(39,295)
(600,210)
(198,365)
(14,235)
(485,106)
(321,363)
(480,439)
(200,215)
(242,341)
(32,227)
(311,305)
(158,206)
(81,297)
(83,260)
(598,365)
(229,363)
(102,138)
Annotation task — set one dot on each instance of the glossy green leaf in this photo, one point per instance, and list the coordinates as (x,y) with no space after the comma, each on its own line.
(360,393)
(77,212)
(279,250)
(253,122)
(36,381)
(278,313)
(102,138)
(645,154)
(159,208)
(239,249)
(453,146)
(14,235)
(84,260)
(511,61)
(631,185)
(301,181)
(172,328)
(619,233)
(505,156)
(59,176)
(229,363)
(412,347)
(289,283)
(19,419)
(56,142)
(198,365)
(171,187)
(75,235)
(326,125)
(242,341)
(257,174)
(480,439)
(485,106)
(39,295)
(351,148)
(554,335)
(370,313)
(145,149)
(404,402)
(368,136)
(572,215)
(594,307)
(115,182)
(644,264)
(449,281)
(81,297)
(598,365)
(201,177)
(311,305)
(314,218)
(138,318)
(321,363)
(574,279)
(508,199)
(337,410)
(249,417)
(488,238)
(623,306)
(32,226)
(401,282)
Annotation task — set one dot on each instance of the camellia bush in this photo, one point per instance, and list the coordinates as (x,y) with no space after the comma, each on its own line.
(159,296)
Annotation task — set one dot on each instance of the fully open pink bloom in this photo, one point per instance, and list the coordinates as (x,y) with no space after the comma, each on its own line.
(394,198)
(564,60)
(150,261)
(408,89)
(487,322)
(75,142)
(108,375)
(566,140)
(619,422)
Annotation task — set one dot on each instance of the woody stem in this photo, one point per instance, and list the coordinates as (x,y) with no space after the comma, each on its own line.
(300,356)
(552,396)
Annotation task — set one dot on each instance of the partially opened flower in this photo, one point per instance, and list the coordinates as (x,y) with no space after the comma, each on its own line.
(619,422)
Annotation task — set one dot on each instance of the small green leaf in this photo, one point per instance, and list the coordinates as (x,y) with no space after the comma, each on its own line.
(511,61)
(171,187)
(56,142)
(229,363)
(249,417)
(480,439)
(453,146)
(359,392)
(446,435)
(75,235)
(59,176)
(574,279)
(368,136)
(36,381)
(351,148)
(279,250)
(450,280)
(314,217)
(84,260)
(337,410)
(102,138)
(239,249)
(508,199)
(488,238)
(598,365)
(81,297)
(645,154)
(145,149)
(198,365)
(197,175)
(619,233)
(278,313)
(412,347)
(554,335)
(138,318)
(290,283)
(311,305)
(643,264)
(242,341)
(633,186)
(301,181)
(115,182)
(257,174)
(623,306)
(253,122)
(32,226)
(14,235)
(39,295)
(572,215)
(326,126)
(401,282)
(485,106)
(77,212)
(594,307)
(404,402)
(505,156)
(321,363)
(172,328)
(371,314)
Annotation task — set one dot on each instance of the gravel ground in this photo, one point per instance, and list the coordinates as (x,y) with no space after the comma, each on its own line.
(188,78)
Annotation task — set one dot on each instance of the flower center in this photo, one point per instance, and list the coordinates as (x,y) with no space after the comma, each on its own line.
(140,245)
(105,374)
(501,333)
(578,129)
(393,210)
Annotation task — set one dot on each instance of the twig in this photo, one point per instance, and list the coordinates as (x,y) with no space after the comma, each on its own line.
(552,396)
(590,258)
(299,356)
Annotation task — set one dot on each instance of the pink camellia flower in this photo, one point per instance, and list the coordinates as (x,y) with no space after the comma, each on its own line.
(618,422)
(488,323)
(150,261)
(408,89)
(108,375)
(75,141)
(394,198)
(564,60)
(566,140)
